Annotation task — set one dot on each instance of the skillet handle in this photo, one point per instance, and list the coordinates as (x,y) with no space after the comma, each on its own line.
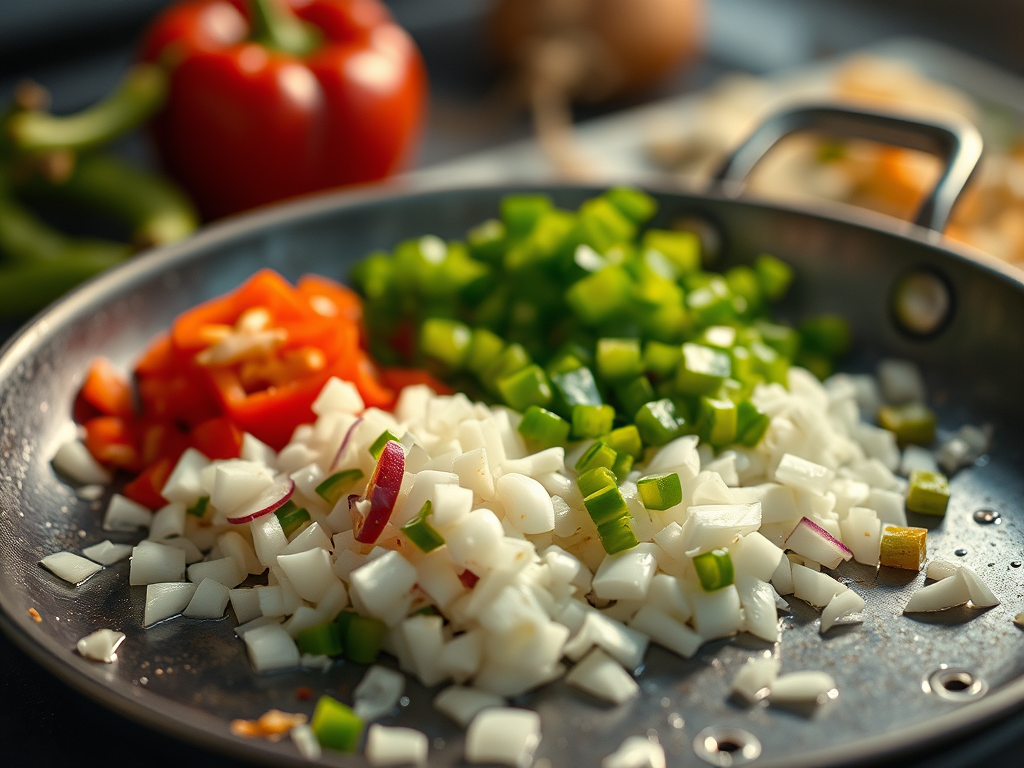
(956,143)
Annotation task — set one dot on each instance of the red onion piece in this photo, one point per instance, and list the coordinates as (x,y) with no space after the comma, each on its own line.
(382,492)
(344,444)
(269,501)
(815,543)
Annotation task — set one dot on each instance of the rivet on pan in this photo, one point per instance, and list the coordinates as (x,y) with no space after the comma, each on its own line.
(922,302)
(725,746)
(954,684)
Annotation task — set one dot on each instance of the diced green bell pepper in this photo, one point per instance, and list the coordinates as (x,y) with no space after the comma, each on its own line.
(716,421)
(633,394)
(660,491)
(774,275)
(662,359)
(526,387)
(658,422)
(593,480)
(592,421)
(321,640)
(714,569)
(617,535)
(626,440)
(445,340)
(599,454)
(913,423)
(606,504)
(702,369)
(336,726)
(619,359)
(334,487)
(751,424)
(291,517)
(420,532)
(542,429)
(928,493)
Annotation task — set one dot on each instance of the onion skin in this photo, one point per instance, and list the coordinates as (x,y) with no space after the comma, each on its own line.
(644,39)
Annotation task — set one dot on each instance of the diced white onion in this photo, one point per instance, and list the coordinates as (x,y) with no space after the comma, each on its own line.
(503,735)
(101,645)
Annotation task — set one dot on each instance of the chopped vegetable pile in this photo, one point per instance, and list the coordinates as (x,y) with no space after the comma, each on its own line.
(553,533)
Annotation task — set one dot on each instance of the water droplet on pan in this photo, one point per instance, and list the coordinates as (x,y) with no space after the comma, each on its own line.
(987,517)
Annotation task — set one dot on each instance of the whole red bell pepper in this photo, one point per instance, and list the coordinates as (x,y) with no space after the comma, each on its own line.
(275,98)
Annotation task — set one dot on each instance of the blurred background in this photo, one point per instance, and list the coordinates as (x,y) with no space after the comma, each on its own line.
(528,90)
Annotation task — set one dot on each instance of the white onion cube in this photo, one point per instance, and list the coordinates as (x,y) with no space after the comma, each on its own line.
(396,746)
(503,735)
(73,568)
(209,601)
(107,553)
(166,600)
(600,675)
(101,645)
(270,647)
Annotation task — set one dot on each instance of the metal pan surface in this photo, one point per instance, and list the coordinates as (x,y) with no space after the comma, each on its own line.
(191,678)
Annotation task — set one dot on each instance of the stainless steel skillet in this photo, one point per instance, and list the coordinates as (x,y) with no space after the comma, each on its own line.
(191,680)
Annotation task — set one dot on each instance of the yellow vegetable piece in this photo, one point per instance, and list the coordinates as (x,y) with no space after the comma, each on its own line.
(903,547)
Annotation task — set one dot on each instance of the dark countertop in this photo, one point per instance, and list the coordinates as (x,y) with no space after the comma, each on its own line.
(43,722)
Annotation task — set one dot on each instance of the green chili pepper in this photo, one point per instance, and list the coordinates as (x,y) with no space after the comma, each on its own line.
(543,429)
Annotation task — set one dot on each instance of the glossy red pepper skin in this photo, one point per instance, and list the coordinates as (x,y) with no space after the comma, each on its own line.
(245,125)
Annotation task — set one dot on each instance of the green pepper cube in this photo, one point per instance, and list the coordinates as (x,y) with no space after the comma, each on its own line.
(521,212)
(928,493)
(702,369)
(334,487)
(912,423)
(710,303)
(445,340)
(593,480)
(374,275)
(563,363)
(718,336)
(597,455)
(660,491)
(592,421)
(769,363)
(364,637)
(320,640)
(626,440)
(661,360)
(485,347)
(619,359)
(682,249)
(601,225)
(291,517)
(378,445)
(542,429)
(421,533)
(716,421)
(658,423)
(774,275)
(714,569)
(336,726)
(633,394)
(635,205)
(576,387)
(742,364)
(526,387)
(606,505)
(743,282)
(487,241)
(622,467)
(781,338)
(513,358)
(617,535)
(751,424)
(828,335)
(601,296)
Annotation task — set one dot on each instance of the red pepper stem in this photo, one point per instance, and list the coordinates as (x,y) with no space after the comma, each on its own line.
(275,26)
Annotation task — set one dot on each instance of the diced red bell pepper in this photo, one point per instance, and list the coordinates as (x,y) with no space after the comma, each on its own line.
(112,442)
(145,489)
(218,438)
(107,389)
(399,378)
